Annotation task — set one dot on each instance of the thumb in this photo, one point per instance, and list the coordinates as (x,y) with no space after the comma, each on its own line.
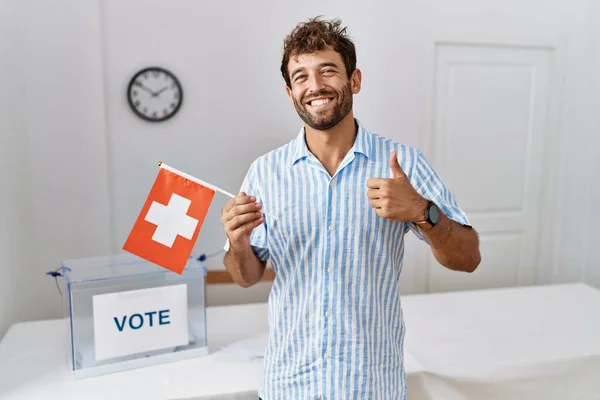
(395,166)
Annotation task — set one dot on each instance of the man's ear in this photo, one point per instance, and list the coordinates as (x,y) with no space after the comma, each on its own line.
(356,81)
(288,91)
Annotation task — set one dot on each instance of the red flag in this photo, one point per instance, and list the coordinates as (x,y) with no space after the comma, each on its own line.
(170,220)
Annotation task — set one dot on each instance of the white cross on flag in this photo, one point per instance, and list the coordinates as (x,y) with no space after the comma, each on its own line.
(170,220)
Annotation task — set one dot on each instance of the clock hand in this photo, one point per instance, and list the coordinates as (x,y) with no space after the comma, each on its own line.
(160,91)
(146,89)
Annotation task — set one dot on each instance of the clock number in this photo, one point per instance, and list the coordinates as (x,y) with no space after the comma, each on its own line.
(176,95)
(137,103)
(173,105)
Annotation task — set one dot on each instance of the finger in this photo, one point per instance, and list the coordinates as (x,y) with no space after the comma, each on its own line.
(239,220)
(246,228)
(244,209)
(375,203)
(395,166)
(234,201)
(373,193)
(376,183)
(241,198)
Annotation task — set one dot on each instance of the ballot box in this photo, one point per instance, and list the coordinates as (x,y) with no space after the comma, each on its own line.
(123,312)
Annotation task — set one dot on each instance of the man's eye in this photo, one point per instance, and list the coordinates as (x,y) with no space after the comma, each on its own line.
(328,71)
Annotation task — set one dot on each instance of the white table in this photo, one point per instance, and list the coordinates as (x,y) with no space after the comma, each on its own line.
(521,343)
(33,364)
(517,344)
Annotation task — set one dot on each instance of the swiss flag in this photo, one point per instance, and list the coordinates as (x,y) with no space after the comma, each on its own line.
(168,225)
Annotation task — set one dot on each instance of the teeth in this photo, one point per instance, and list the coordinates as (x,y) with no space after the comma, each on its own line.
(320,102)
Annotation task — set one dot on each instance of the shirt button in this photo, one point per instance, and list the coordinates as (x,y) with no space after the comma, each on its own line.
(327,313)
(330,227)
(329,270)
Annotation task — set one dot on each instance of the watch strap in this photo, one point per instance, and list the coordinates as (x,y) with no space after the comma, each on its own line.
(426,223)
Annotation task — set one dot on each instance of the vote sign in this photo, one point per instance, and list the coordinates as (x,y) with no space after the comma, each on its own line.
(138,321)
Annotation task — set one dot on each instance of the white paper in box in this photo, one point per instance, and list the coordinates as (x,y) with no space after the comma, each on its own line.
(124,312)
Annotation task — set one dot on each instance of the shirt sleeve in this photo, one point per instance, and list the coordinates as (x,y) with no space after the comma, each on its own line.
(258,237)
(428,183)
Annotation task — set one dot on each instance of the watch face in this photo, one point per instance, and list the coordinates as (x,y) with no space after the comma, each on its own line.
(434,214)
(154,94)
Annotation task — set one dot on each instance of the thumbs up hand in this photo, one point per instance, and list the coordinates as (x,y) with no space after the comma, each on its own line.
(395,198)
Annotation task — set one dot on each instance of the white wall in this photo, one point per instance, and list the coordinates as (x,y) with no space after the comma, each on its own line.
(583,261)
(86,162)
(14,177)
(591,272)
(54,168)
(591,264)
(577,257)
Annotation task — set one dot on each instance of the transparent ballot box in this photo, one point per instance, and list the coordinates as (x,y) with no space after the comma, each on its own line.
(123,312)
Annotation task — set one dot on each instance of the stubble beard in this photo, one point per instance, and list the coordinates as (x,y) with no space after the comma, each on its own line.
(329,118)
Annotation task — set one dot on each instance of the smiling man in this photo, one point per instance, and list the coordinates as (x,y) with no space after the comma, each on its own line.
(344,199)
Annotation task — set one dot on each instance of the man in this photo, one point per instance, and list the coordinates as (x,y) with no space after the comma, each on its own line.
(342,199)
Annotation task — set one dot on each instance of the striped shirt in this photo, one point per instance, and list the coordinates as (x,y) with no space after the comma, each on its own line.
(336,329)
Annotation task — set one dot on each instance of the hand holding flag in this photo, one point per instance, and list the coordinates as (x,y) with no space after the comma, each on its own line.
(239,217)
(168,225)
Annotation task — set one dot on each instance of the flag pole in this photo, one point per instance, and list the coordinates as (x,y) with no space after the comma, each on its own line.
(213,187)
(176,171)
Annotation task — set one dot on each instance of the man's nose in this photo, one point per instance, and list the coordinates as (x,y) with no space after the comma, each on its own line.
(315,83)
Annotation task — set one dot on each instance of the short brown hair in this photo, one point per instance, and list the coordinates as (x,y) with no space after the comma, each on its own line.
(314,35)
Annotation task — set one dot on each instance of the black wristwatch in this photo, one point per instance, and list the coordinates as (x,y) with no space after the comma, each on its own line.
(432,216)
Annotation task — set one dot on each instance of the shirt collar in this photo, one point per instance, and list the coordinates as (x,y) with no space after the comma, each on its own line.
(362,144)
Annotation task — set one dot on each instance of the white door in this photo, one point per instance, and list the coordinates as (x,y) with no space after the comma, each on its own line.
(488,136)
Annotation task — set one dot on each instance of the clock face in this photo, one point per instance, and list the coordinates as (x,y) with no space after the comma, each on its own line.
(154,94)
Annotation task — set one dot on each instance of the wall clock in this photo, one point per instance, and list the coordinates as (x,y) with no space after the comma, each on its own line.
(154,94)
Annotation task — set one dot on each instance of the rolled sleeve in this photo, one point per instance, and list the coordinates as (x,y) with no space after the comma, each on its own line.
(428,183)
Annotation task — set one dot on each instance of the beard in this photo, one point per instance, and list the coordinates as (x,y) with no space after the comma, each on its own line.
(330,117)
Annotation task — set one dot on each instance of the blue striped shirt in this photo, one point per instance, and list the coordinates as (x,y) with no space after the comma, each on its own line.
(336,329)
